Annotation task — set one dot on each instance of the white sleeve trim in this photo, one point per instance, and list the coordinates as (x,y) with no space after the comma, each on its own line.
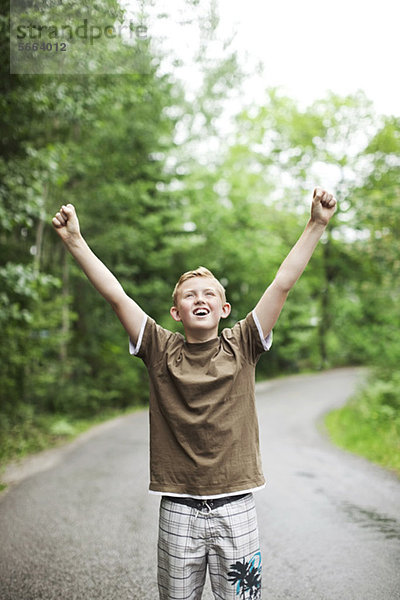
(266,341)
(135,349)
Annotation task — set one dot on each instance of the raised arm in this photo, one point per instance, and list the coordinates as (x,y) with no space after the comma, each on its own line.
(271,303)
(129,313)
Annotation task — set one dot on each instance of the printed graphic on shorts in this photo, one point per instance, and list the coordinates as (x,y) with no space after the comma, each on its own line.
(246,576)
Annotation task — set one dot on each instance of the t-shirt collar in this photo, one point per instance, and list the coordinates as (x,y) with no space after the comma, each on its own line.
(199,346)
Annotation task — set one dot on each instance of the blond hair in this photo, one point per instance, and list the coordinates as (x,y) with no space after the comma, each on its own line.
(199,272)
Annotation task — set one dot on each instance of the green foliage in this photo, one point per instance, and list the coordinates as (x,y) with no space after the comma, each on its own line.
(370,424)
(27,431)
(62,349)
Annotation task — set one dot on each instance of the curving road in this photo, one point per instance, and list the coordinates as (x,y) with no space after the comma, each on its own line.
(80,524)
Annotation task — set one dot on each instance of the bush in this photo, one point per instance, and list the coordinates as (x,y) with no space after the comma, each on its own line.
(369,424)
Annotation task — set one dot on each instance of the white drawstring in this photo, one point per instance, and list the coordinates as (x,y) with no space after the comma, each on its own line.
(205,504)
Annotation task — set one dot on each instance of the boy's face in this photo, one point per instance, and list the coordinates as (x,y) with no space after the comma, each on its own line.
(200,308)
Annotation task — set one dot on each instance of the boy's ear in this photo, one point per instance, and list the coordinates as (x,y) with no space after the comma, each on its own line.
(226,310)
(174,312)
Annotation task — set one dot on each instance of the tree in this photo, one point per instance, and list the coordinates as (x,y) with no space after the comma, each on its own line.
(103,146)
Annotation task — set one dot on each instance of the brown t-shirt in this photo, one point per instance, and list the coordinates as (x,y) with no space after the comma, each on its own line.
(203,422)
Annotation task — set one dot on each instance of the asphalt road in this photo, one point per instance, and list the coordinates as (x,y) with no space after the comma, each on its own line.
(82,525)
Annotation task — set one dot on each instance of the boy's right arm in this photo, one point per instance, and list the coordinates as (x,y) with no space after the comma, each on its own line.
(129,313)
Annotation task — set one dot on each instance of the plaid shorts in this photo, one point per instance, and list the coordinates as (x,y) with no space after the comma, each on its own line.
(223,540)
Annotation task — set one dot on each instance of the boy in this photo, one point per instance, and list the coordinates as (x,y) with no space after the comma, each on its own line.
(204,451)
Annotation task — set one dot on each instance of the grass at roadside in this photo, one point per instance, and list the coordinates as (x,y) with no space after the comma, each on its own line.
(39,432)
(369,425)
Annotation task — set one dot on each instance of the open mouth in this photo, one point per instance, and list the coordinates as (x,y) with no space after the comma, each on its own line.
(201,312)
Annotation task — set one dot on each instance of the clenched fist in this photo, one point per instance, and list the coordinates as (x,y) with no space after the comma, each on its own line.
(66,223)
(323,206)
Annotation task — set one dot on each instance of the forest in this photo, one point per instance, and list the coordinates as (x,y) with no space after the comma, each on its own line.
(164,180)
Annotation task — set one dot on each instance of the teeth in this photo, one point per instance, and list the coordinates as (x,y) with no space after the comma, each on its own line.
(201,312)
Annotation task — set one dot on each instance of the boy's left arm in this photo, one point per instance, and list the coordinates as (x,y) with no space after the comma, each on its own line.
(271,303)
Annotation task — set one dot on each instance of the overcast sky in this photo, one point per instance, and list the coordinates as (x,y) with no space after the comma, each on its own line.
(310,46)
(306,46)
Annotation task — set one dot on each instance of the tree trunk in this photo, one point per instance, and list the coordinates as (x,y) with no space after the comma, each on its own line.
(65,322)
(325,321)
